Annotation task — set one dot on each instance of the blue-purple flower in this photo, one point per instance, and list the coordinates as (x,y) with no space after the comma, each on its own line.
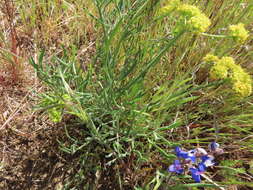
(207,160)
(196,161)
(176,167)
(190,155)
(213,146)
(180,153)
(196,172)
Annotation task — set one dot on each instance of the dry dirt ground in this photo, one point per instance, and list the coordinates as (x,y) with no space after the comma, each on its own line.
(29,150)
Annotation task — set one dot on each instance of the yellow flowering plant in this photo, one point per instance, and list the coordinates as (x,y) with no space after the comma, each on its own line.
(169,7)
(225,68)
(238,32)
(192,19)
(188,10)
(210,58)
(199,23)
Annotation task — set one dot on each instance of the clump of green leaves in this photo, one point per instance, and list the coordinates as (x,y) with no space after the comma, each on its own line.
(109,99)
(125,123)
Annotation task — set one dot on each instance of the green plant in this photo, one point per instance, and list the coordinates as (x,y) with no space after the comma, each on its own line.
(124,110)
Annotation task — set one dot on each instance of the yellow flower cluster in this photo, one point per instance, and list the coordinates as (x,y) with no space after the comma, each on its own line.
(188,10)
(199,23)
(226,68)
(238,32)
(222,68)
(196,21)
(210,58)
(171,5)
(242,83)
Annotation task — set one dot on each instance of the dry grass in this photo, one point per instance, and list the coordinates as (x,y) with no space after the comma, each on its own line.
(29,154)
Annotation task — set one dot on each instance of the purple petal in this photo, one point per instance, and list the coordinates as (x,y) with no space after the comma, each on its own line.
(207,160)
(193,170)
(182,154)
(178,149)
(206,157)
(172,168)
(176,167)
(193,152)
(191,156)
(213,146)
(201,167)
(177,162)
(195,175)
(180,171)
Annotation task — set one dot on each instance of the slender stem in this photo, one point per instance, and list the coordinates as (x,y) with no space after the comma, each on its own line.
(211,181)
(214,35)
